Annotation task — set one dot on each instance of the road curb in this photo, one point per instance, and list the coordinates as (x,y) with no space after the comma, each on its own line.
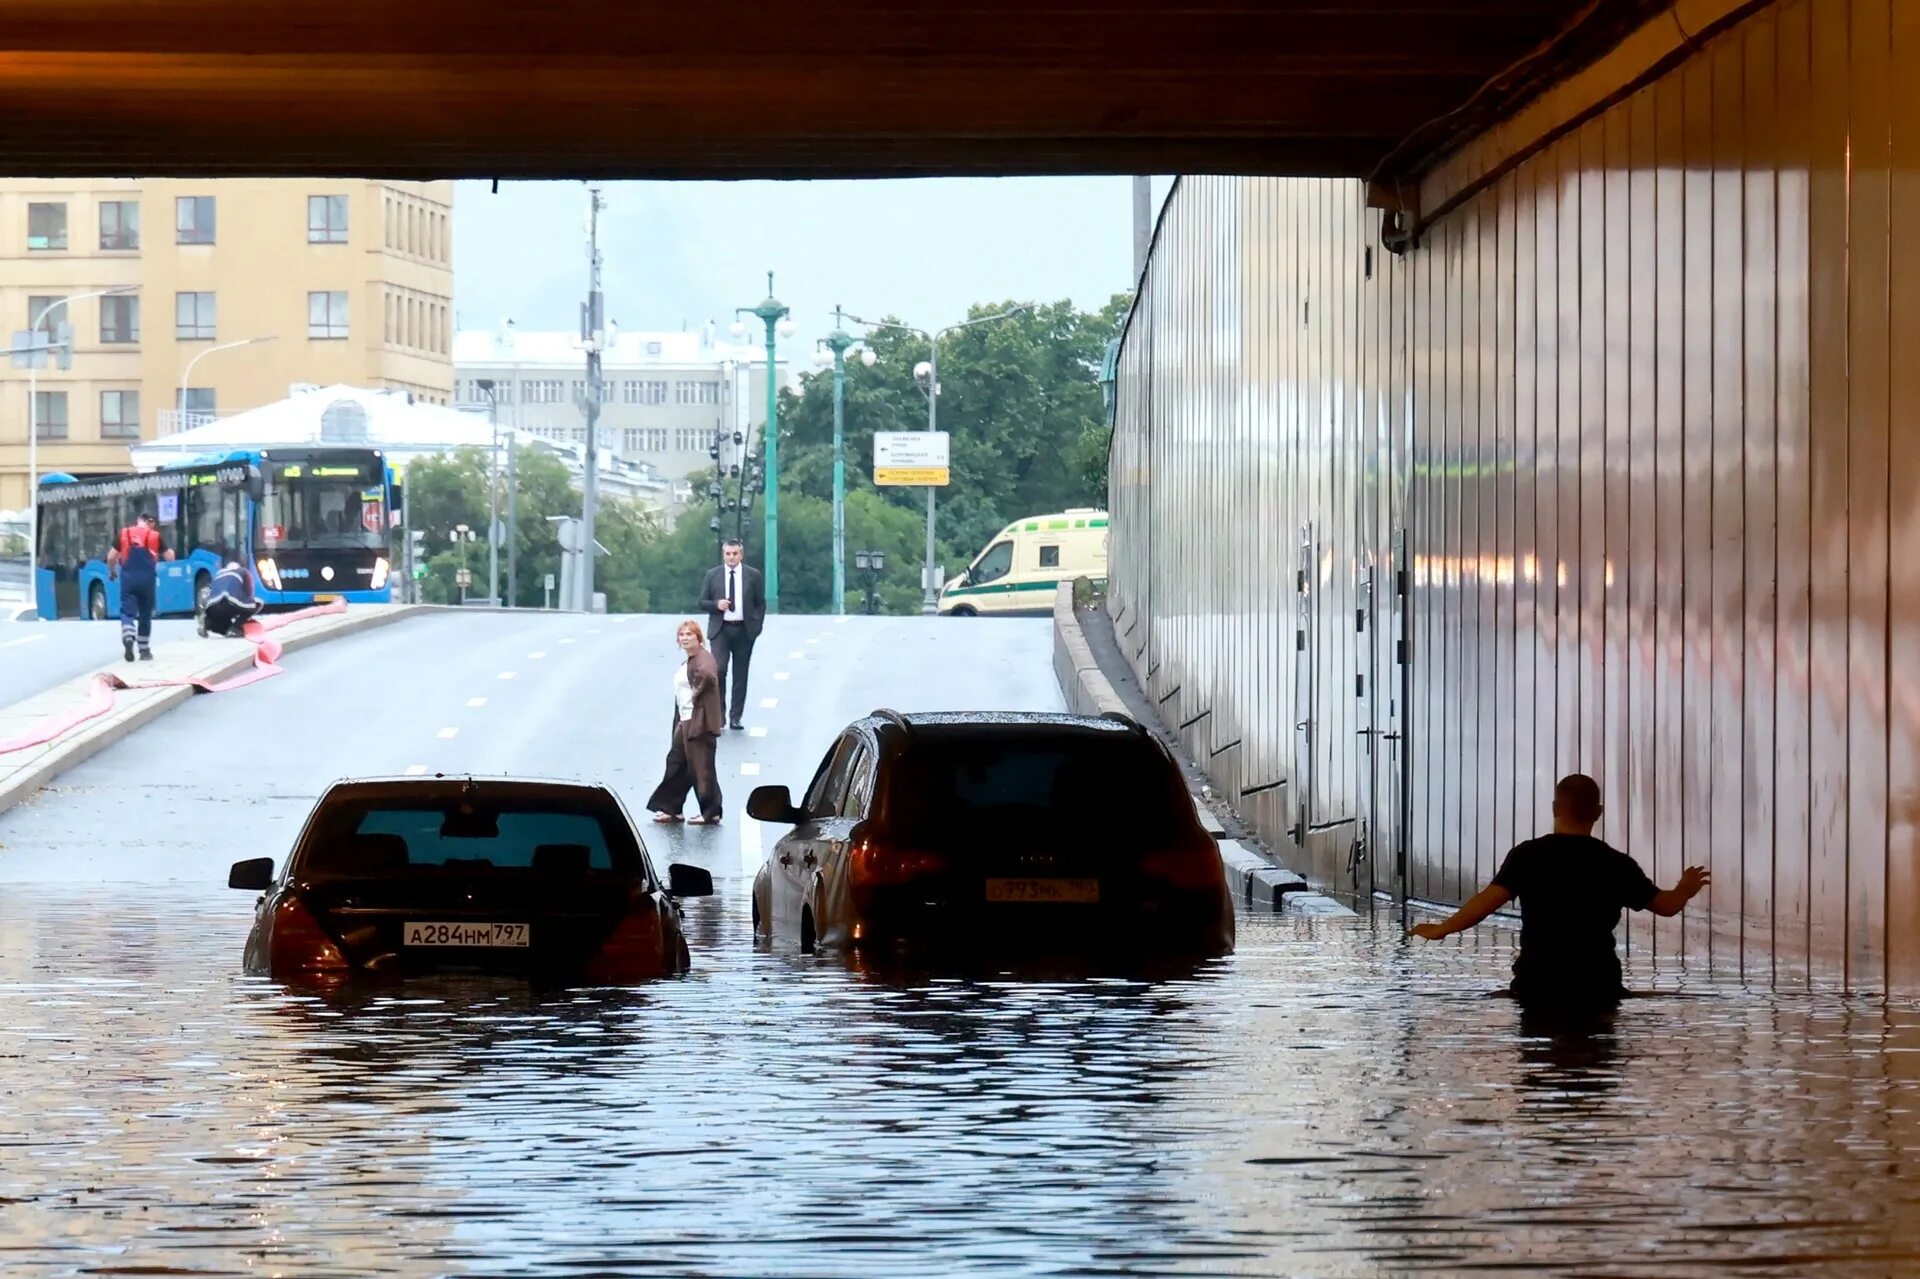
(1257,882)
(143,706)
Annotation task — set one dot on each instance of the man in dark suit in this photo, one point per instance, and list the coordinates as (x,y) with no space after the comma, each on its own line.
(736,603)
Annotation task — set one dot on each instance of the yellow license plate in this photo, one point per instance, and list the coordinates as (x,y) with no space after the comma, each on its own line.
(1043,890)
(325,599)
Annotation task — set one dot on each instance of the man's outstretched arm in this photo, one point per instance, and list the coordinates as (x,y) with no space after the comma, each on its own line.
(1476,908)
(1669,902)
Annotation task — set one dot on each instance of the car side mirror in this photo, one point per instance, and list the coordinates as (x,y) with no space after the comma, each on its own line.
(254,875)
(688,881)
(773,804)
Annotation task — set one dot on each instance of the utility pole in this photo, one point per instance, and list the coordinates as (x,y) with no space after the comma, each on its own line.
(834,348)
(592,332)
(772,313)
(1142,224)
(493,489)
(513,518)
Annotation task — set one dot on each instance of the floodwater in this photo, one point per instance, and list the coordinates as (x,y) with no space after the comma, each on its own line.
(1328,1101)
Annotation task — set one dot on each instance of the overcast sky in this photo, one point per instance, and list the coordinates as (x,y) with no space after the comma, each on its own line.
(682,253)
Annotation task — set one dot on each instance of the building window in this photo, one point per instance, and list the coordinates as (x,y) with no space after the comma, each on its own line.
(120,320)
(326,219)
(327,315)
(198,401)
(119,225)
(50,415)
(696,392)
(387,299)
(545,391)
(47,226)
(119,415)
(656,439)
(37,307)
(193,315)
(193,219)
(690,439)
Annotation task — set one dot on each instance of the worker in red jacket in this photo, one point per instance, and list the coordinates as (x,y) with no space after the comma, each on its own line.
(135,559)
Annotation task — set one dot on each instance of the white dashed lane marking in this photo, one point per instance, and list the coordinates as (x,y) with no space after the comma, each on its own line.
(749,769)
(797,654)
(508,674)
(768,703)
(416,770)
(567,640)
(449,732)
(537,656)
(782,675)
(476,702)
(756,732)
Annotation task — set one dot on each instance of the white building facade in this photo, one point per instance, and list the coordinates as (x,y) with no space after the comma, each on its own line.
(669,397)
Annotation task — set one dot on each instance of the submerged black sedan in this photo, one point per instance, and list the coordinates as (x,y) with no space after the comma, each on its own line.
(406,876)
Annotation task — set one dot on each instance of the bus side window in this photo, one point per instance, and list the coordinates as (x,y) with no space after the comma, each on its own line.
(203,510)
(233,509)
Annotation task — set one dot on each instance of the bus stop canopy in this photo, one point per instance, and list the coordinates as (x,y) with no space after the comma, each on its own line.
(349,416)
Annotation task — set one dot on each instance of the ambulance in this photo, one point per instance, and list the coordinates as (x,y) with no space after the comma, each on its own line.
(1017,573)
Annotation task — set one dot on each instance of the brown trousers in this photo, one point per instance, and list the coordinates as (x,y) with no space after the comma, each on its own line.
(690,767)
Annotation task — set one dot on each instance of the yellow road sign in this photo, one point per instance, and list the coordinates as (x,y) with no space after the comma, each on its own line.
(913,476)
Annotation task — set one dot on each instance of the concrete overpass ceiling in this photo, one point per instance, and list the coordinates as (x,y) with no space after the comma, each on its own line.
(864,88)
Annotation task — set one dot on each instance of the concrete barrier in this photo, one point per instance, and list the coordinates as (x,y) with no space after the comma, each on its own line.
(24,772)
(1255,881)
(1082,682)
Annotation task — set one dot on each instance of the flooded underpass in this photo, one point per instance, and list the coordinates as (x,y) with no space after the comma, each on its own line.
(1328,1101)
(1324,1102)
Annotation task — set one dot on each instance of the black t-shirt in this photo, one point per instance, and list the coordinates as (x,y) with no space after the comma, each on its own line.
(1572,889)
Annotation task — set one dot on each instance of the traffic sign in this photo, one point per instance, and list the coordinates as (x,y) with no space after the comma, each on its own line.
(913,458)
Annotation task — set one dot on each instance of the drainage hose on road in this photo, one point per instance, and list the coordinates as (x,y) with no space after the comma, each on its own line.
(100,693)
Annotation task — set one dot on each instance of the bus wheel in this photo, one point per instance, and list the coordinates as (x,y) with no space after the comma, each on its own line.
(202,592)
(97,603)
(963,610)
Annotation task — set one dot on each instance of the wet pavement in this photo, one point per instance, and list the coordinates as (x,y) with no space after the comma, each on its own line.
(1327,1101)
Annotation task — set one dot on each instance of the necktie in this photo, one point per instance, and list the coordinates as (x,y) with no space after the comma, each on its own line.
(733,600)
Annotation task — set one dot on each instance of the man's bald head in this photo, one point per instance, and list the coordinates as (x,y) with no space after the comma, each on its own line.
(1576,802)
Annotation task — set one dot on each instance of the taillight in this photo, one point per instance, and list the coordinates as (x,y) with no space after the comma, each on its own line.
(300,945)
(883,866)
(633,952)
(1192,863)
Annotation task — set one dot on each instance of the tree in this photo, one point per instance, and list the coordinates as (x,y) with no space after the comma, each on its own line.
(1021,403)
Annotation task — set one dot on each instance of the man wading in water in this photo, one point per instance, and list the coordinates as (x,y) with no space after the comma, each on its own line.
(1572,888)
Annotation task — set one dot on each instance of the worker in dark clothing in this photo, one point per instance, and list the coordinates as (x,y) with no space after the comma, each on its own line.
(135,560)
(1572,888)
(230,601)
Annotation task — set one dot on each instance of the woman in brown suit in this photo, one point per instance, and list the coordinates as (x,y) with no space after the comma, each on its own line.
(698,721)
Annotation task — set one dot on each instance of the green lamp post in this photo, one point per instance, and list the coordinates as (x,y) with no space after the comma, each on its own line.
(773,314)
(833,349)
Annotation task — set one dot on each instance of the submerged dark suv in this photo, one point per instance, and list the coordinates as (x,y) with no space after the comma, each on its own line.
(996,828)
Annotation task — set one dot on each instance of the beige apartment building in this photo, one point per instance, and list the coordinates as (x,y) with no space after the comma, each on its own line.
(240,288)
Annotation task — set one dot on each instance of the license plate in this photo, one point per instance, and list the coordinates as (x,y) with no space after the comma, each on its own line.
(1043,890)
(325,599)
(484,935)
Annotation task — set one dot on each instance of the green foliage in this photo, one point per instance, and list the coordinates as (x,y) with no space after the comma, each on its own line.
(1020,401)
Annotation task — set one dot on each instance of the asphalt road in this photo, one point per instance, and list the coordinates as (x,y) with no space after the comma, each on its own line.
(554,695)
(35,656)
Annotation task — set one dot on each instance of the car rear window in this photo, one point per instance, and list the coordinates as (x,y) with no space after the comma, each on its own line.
(465,836)
(1114,789)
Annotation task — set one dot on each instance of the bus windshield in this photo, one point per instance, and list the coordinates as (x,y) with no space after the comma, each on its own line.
(320,505)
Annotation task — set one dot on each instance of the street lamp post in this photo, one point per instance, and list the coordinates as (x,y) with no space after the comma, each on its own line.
(33,435)
(927,375)
(187,375)
(462,534)
(833,349)
(773,314)
(493,488)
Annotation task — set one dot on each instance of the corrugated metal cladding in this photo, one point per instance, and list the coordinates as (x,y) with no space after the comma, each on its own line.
(1638,429)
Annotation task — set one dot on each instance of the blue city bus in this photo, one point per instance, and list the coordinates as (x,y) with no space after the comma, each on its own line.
(313,524)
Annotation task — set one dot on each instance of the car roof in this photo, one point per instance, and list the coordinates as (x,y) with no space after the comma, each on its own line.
(467,784)
(968,725)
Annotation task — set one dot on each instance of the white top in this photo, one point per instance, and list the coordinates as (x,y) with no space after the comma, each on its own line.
(731,574)
(682,692)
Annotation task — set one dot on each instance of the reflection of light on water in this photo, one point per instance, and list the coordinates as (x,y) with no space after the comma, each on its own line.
(1272,1113)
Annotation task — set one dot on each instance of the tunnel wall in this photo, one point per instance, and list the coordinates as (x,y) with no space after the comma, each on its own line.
(1625,451)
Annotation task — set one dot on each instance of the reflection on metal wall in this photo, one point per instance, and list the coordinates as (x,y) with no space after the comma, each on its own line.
(1644,412)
